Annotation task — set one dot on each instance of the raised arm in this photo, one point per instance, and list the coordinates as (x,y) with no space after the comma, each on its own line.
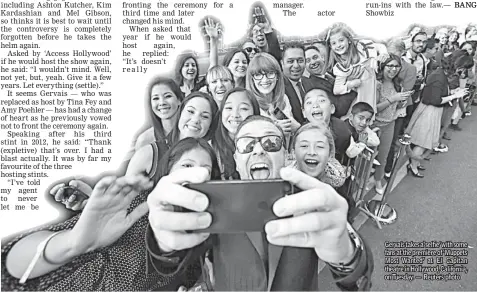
(212,30)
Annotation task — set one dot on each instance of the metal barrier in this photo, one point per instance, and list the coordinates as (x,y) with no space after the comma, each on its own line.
(360,173)
(378,210)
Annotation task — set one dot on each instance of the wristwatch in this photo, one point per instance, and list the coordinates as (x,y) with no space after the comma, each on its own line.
(358,250)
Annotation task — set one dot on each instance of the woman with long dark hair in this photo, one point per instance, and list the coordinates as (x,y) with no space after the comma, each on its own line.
(187,73)
(236,106)
(164,98)
(197,119)
(389,99)
(237,61)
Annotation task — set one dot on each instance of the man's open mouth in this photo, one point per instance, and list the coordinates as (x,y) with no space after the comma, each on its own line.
(259,171)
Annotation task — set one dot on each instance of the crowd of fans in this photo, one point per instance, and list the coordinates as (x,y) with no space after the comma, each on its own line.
(312,109)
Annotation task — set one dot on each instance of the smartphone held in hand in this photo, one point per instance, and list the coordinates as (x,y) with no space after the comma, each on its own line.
(242,206)
(69,191)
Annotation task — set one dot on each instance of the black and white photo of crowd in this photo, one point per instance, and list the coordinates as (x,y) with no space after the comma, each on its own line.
(302,110)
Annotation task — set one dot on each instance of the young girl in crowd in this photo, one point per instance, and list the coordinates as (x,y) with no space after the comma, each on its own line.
(265,80)
(389,99)
(219,81)
(187,73)
(197,119)
(313,148)
(111,256)
(354,64)
(236,106)
(237,61)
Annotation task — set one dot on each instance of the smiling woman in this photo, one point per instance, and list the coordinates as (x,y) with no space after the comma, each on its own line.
(219,80)
(197,119)
(237,105)
(163,100)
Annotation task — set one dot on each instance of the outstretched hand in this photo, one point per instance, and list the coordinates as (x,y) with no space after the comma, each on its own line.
(212,29)
(319,219)
(105,217)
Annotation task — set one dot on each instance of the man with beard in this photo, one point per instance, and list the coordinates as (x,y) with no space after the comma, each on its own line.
(312,223)
(315,60)
(415,57)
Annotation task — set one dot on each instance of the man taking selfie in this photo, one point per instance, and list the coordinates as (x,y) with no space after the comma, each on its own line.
(312,223)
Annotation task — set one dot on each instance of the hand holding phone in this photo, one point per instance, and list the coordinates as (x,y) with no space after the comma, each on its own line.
(73,195)
(286,125)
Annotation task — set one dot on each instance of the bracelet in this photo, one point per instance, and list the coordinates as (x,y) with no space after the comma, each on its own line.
(46,244)
(351,265)
(40,252)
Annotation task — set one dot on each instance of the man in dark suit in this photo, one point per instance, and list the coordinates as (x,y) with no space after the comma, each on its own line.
(293,64)
(285,256)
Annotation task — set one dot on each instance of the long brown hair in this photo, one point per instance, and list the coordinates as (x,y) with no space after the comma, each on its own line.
(263,63)
(380,74)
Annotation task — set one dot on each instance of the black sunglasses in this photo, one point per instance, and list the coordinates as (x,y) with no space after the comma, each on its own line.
(250,49)
(269,143)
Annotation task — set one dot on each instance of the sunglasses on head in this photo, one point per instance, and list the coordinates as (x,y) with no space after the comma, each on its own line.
(250,49)
(269,143)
